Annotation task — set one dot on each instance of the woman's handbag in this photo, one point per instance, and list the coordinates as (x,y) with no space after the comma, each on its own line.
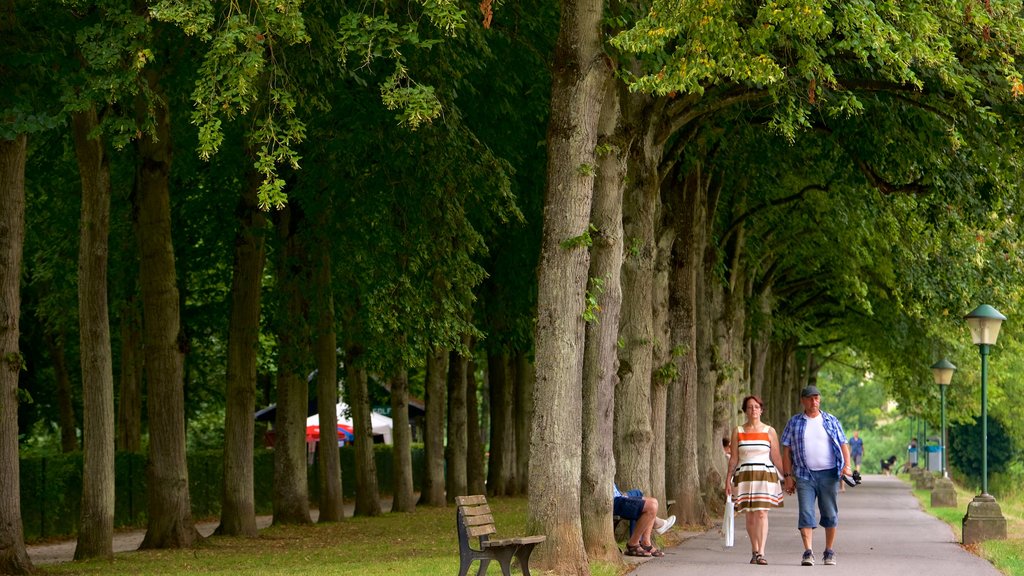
(728,526)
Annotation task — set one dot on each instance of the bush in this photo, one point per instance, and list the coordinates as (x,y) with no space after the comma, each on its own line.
(965,449)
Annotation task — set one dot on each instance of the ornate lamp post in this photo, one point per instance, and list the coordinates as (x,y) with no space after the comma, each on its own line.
(943,494)
(984,519)
(943,372)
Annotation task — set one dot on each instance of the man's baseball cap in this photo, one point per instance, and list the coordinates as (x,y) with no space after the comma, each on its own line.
(811,390)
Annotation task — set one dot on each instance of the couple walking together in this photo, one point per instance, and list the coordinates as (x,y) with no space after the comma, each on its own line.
(814,456)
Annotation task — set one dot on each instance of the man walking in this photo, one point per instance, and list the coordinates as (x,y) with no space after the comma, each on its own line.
(856,450)
(815,455)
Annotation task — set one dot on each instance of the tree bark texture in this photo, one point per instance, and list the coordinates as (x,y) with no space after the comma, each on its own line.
(367,495)
(13,556)
(600,362)
(475,476)
(525,382)
(129,404)
(683,398)
(65,405)
(238,500)
(325,352)
(455,449)
(291,492)
(169,506)
(579,74)
(661,360)
(170,523)
(96,517)
(433,442)
(403,498)
(500,473)
(634,435)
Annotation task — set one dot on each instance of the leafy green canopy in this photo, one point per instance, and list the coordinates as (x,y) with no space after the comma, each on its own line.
(894,207)
(244,71)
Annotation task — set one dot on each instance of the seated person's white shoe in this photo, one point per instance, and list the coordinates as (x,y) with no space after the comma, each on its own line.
(665,524)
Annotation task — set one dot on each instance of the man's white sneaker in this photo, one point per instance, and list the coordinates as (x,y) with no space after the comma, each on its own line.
(666,524)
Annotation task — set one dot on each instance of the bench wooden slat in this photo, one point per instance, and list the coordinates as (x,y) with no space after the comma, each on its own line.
(478,520)
(518,541)
(468,511)
(470,500)
(484,530)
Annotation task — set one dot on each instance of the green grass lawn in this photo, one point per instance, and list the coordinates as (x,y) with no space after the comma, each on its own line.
(1006,555)
(419,544)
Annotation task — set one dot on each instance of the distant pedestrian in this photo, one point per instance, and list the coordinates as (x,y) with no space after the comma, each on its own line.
(753,475)
(856,450)
(815,455)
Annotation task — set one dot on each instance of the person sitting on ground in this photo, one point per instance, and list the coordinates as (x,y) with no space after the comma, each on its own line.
(644,511)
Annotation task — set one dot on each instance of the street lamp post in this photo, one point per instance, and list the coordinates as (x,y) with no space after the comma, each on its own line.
(984,519)
(943,493)
(943,372)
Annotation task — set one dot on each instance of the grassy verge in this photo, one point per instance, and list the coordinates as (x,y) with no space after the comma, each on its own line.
(420,544)
(1006,555)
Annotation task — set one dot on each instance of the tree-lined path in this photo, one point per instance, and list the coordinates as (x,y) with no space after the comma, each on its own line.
(882,530)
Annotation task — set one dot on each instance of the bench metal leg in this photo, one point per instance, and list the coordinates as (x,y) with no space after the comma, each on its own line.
(523,556)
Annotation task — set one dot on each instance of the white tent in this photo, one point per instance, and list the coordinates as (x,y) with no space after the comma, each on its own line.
(381,424)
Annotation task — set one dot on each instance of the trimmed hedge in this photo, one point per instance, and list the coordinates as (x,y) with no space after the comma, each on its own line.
(51,487)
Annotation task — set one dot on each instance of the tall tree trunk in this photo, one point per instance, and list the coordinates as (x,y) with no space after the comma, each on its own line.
(683,484)
(169,506)
(475,475)
(634,436)
(525,380)
(714,375)
(238,500)
(96,520)
(499,475)
(433,441)
(455,450)
(129,406)
(403,497)
(599,358)
(325,350)
(291,491)
(579,74)
(13,556)
(65,404)
(661,360)
(367,493)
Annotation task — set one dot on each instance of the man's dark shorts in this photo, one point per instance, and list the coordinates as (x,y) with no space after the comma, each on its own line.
(628,508)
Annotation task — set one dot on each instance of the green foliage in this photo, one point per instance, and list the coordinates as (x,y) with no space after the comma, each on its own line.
(965,448)
(592,308)
(585,240)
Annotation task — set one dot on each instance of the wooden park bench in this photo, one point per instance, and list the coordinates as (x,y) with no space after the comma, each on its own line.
(474,520)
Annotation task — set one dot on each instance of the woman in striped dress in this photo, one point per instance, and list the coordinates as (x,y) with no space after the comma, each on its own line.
(753,481)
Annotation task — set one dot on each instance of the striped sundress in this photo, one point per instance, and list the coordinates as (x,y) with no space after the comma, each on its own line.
(755,481)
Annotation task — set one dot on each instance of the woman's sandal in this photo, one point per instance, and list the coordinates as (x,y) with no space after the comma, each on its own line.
(653,551)
(637,550)
(762,560)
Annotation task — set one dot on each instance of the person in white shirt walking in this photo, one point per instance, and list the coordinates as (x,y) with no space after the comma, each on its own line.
(815,456)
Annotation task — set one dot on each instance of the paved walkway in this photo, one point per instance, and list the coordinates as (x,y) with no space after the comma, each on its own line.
(882,531)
